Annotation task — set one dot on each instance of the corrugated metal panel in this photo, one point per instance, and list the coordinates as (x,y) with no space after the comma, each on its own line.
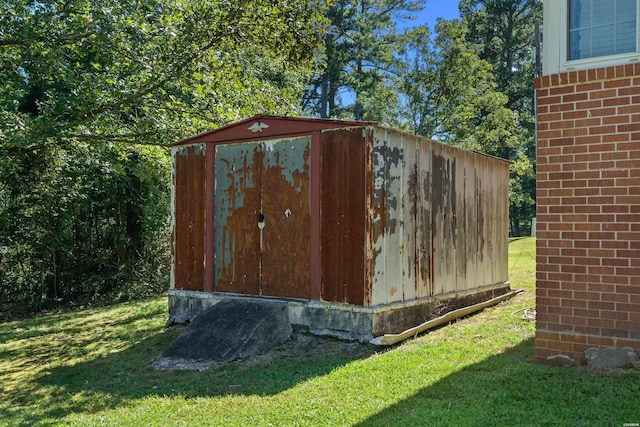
(400,257)
(286,208)
(387,217)
(378,217)
(188,231)
(394,154)
(484,226)
(490,224)
(437,218)
(500,183)
(443,219)
(424,238)
(409,219)
(343,216)
(459,214)
(237,206)
(471,222)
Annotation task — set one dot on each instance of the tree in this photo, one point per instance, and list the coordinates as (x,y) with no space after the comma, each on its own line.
(505,31)
(450,93)
(453,92)
(471,86)
(418,84)
(90,92)
(133,71)
(361,60)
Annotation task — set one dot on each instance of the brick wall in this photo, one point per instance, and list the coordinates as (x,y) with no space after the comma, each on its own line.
(588,247)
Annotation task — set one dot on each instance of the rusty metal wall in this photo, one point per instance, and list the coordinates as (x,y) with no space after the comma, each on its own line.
(343,216)
(399,218)
(188,221)
(393,205)
(262,217)
(437,218)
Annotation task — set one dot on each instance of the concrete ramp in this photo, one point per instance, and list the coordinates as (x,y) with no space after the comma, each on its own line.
(233,329)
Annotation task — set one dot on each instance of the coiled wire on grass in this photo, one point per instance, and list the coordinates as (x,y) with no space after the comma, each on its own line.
(529,313)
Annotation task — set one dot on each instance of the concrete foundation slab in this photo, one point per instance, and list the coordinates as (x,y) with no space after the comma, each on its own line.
(344,321)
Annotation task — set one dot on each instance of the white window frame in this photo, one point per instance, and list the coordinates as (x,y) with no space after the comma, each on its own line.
(555,57)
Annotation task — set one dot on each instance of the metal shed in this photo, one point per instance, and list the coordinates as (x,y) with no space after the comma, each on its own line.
(364,230)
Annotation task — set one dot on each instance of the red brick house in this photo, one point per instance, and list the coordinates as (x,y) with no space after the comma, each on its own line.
(588,214)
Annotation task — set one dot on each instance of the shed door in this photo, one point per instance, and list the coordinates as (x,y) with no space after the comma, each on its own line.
(262,218)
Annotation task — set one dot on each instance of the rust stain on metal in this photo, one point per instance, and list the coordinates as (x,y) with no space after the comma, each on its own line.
(343,216)
(385,200)
(460,207)
(263,218)
(286,208)
(412,196)
(385,214)
(237,201)
(444,218)
(445,194)
(188,233)
(424,222)
(480,216)
(427,218)
(371,252)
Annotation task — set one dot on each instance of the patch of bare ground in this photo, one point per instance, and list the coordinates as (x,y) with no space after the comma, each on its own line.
(300,346)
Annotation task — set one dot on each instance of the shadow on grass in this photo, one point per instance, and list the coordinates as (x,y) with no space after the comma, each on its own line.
(510,389)
(113,381)
(41,326)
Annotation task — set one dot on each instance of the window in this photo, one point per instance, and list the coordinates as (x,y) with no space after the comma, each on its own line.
(601,28)
(588,34)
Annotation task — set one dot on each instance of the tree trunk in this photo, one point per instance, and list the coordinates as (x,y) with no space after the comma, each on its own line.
(133,211)
(324,97)
(357,111)
(324,86)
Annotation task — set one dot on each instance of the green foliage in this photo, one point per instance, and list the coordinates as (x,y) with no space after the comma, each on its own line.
(450,93)
(522,190)
(81,221)
(504,31)
(146,71)
(89,93)
(360,63)
(470,86)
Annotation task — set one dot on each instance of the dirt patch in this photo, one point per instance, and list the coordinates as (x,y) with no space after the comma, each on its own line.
(301,345)
(12,312)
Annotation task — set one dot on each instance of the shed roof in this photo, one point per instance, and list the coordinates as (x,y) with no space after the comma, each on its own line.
(261,127)
(266,127)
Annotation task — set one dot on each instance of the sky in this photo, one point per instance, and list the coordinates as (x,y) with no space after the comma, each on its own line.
(434,9)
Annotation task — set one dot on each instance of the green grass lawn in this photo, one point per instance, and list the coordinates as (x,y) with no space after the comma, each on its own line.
(92,367)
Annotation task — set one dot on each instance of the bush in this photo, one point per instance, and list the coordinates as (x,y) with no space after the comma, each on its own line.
(83,223)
